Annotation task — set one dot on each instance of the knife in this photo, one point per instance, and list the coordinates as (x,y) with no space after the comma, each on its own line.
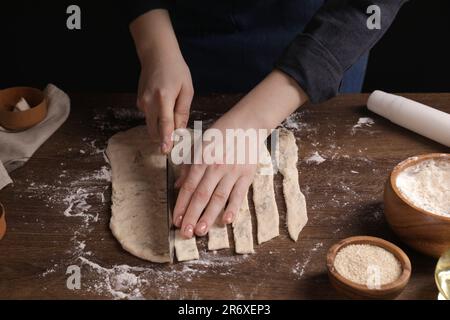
(171,198)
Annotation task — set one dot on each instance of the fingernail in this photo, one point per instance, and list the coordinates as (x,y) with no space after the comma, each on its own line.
(177,184)
(178,221)
(189,231)
(228,217)
(201,228)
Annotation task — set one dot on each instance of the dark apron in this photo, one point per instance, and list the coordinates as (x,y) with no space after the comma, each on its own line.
(230,46)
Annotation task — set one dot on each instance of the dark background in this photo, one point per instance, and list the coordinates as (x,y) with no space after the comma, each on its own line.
(36,48)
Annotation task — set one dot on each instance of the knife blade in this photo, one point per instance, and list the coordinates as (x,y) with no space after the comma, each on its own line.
(171,197)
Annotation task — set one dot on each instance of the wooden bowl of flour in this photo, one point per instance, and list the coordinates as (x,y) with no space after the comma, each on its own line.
(423,227)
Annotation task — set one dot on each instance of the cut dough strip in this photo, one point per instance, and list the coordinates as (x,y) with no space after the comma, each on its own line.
(185,249)
(218,236)
(242,230)
(295,200)
(267,216)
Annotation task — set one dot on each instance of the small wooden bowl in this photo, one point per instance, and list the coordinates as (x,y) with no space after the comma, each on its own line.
(22,120)
(2,221)
(422,230)
(357,291)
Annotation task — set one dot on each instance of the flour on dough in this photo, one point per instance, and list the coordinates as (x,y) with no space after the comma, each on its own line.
(267,217)
(139,202)
(242,230)
(294,198)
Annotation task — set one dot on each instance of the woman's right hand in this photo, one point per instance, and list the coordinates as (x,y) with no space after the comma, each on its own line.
(165,86)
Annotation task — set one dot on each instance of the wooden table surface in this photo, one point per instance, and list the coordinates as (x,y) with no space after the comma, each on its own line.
(58,210)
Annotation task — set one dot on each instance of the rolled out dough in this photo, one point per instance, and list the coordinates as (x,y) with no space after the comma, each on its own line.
(294,198)
(242,230)
(139,201)
(267,216)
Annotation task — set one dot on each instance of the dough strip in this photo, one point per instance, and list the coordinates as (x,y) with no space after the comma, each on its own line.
(294,198)
(267,217)
(218,236)
(185,249)
(242,230)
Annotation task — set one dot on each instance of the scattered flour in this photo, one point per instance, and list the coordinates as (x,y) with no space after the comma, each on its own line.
(76,194)
(427,186)
(299,268)
(292,122)
(50,270)
(118,281)
(94,148)
(77,197)
(103,174)
(126,282)
(315,158)
(78,206)
(81,246)
(362,122)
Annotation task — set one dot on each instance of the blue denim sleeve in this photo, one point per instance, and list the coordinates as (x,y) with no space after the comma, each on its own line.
(335,38)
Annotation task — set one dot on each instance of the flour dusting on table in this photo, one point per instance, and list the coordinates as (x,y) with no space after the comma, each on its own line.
(315,158)
(129,282)
(299,268)
(102,174)
(294,122)
(77,204)
(362,122)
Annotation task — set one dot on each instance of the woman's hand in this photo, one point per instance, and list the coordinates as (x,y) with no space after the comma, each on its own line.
(208,189)
(165,86)
(165,95)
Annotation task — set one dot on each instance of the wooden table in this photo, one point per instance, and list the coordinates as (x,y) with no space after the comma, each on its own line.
(69,176)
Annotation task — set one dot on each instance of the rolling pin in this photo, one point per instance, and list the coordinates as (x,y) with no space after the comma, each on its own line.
(422,119)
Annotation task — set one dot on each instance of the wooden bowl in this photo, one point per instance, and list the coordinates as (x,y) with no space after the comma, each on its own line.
(422,230)
(358,291)
(2,221)
(22,120)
